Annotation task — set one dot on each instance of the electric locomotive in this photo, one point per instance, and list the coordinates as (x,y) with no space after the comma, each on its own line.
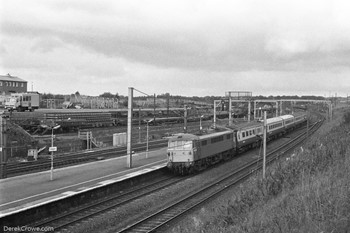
(188,152)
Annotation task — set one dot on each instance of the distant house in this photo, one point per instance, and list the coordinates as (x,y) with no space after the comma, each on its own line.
(11,84)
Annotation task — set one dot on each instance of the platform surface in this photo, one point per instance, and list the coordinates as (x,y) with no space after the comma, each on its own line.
(23,191)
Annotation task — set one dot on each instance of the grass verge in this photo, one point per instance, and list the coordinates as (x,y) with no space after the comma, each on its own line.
(307,192)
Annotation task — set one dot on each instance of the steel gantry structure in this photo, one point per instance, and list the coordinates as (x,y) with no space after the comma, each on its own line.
(279,104)
(235,97)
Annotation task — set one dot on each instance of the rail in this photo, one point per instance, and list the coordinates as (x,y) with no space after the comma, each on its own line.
(159,219)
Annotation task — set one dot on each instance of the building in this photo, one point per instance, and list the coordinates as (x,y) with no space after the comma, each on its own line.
(11,84)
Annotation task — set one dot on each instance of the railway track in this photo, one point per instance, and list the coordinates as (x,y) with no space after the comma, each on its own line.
(173,211)
(157,220)
(64,160)
(15,169)
(66,220)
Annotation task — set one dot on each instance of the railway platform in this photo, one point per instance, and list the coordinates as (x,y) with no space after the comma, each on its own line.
(27,191)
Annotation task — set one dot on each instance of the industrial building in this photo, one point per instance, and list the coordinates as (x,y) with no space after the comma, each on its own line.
(11,84)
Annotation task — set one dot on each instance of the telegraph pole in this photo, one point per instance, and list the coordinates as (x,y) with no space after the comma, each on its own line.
(129,146)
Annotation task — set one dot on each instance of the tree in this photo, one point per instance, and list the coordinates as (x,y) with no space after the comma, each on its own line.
(107,95)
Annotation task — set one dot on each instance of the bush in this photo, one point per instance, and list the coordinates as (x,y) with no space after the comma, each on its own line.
(347,118)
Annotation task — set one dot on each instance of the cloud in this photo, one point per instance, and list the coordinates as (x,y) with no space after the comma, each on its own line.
(221,40)
(190,35)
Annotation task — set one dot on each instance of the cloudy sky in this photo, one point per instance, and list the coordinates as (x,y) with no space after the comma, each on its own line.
(183,47)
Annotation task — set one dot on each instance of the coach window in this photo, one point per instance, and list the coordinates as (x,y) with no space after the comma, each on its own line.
(243,134)
(228,136)
(204,143)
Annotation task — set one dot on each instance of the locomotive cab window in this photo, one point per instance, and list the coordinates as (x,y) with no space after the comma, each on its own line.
(180,145)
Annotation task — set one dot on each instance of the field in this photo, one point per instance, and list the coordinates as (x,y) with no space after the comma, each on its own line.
(307,192)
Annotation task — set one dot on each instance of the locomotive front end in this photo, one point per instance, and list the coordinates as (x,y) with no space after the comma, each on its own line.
(180,155)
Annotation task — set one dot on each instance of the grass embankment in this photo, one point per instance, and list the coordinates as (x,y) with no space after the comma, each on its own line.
(308,192)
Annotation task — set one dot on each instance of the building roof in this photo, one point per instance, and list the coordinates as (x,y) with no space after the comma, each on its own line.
(9,77)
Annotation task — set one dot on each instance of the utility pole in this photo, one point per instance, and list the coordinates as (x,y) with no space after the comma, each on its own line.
(167,105)
(249,110)
(147,140)
(130,112)
(3,151)
(139,124)
(154,109)
(264,146)
(185,119)
(229,109)
(281,107)
(52,148)
(307,123)
(254,110)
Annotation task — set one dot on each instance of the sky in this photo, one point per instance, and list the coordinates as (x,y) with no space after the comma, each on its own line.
(181,47)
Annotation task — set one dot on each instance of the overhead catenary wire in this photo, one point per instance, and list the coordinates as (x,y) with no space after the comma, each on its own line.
(142,92)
